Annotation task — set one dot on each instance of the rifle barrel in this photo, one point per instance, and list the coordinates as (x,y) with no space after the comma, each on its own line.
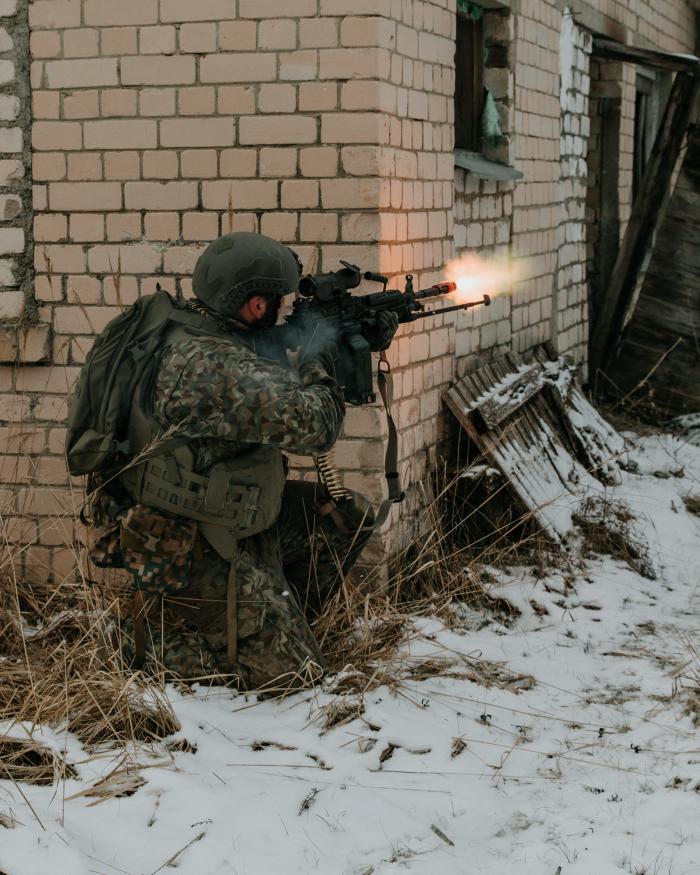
(436,291)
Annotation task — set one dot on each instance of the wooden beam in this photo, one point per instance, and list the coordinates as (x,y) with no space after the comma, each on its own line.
(647,209)
(610,50)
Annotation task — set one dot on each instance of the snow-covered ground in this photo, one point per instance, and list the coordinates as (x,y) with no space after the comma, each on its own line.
(595,768)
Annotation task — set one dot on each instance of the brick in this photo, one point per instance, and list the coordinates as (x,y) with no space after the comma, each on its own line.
(318,227)
(124,133)
(203,132)
(51,379)
(84,73)
(87,228)
(200,226)
(316,33)
(236,100)
(33,343)
(57,135)
(197,101)
(81,104)
(10,207)
(238,162)
(157,101)
(22,439)
(221,67)
(160,164)
(319,161)
(106,12)
(182,259)
(46,104)
(278,33)
(11,306)
(11,241)
(161,195)
(198,163)
(49,166)
(61,258)
(318,96)
(175,70)
(40,196)
(249,194)
(162,226)
(84,289)
(45,44)
(8,351)
(368,31)
(48,226)
(201,10)
(120,290)
(299,194)
(271,8)
(7,72)
(118,102)
(81,42)
(123,226)
(119,41)
(84,166)
(198,38)
(157,40)
(278,162)
(85,196)
(348,64)
(129,258)
(11,140)
(6,41)
(297,66)
(79,348)
(350,193)
(277,98)
(54,14)
(122,165)
(48,288)
(279,226)
(356,127)
(280,129)
(9,107)
(238,36)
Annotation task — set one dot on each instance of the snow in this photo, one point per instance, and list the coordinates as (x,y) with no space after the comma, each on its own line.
(593,769)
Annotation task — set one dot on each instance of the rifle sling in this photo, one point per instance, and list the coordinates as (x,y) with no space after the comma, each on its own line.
(385,384)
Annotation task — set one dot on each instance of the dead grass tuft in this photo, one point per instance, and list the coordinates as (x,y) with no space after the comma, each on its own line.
(25,760)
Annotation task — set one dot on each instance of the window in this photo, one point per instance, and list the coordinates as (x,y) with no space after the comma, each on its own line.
(469,80)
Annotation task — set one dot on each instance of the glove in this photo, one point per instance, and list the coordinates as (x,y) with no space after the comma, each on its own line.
(322,350)
(382,332)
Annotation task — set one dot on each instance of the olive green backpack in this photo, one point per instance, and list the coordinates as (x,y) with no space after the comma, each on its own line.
(98,417)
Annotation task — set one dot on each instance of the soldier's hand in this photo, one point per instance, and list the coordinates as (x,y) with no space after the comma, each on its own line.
(382,333)
(321,350)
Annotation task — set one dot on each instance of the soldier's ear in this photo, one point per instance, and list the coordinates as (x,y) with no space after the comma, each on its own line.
(258,305)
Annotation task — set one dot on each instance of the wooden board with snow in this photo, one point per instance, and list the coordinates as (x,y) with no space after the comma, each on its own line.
(532,422)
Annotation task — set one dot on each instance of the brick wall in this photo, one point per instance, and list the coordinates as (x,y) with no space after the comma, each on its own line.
(159,124)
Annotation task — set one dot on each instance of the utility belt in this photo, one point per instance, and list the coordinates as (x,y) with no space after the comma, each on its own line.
(237,499)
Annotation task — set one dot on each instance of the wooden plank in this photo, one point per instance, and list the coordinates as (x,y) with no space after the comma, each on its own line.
(641,228)
(613,51)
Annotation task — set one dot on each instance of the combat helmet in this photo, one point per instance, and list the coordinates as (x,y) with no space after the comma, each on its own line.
(237,265)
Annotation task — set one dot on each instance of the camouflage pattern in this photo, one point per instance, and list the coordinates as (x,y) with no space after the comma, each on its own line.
(225,400)
(284,576)
(156,550)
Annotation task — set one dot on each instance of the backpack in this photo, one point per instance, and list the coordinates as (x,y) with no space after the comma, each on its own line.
(98,418)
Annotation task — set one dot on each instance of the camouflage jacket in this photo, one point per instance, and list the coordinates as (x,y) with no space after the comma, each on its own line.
(225,398)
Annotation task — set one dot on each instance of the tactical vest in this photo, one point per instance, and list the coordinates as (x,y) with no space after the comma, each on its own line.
(239,497)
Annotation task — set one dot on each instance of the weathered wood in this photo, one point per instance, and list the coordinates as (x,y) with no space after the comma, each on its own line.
(649,206)
(545,441)
(662,341)
(614,51)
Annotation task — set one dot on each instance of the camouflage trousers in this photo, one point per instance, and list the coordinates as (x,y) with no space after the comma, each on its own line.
(284,576)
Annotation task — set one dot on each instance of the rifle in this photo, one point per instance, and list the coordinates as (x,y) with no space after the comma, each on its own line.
(326,307)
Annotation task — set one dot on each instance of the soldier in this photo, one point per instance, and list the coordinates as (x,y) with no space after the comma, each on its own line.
(246,595)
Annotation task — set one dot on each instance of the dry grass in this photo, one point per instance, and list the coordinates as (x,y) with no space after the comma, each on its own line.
(24,759)
(61,666)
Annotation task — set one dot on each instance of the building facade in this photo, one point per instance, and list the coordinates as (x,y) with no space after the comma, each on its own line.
(133,132)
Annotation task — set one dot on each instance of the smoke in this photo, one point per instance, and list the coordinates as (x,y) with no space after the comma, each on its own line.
(476,276)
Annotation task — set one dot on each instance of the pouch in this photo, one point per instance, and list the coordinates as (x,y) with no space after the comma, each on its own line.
(156,550)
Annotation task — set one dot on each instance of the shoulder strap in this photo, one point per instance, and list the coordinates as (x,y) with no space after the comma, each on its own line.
(385,384)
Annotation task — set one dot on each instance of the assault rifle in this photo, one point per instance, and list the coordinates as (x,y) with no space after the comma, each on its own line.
(325,308)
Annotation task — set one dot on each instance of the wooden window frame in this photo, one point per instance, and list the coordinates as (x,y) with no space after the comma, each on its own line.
(469,82)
